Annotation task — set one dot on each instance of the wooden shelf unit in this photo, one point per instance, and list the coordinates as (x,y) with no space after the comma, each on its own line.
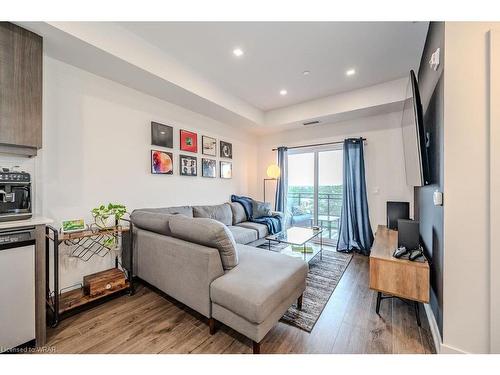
(398,277)
(58,303)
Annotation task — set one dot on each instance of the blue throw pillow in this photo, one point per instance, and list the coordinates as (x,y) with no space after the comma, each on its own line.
(261,209)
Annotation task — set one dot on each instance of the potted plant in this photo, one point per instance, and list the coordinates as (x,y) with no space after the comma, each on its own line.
(107,216)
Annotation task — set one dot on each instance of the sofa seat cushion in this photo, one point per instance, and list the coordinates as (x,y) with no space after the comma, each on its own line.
(261,229)
(260,282)
(221,212)
(243,235)
(207,232)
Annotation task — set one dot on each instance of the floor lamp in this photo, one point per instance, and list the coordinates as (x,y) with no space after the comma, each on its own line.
(273,174)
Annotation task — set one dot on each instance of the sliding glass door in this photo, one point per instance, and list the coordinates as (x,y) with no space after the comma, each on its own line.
(315,189)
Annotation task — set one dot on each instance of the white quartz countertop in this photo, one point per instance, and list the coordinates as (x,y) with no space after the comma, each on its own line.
(35,220)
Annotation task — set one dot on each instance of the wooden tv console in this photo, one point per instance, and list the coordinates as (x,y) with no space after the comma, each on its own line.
(392,277)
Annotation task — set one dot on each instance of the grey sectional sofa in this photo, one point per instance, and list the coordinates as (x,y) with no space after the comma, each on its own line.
(249,297)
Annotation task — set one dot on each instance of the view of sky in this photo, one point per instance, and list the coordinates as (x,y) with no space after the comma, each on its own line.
(301,168)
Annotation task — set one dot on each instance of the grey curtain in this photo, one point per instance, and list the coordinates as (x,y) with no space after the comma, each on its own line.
(355,229)
(281,189)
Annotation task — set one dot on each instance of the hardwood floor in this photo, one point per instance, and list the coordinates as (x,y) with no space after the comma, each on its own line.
(150,323)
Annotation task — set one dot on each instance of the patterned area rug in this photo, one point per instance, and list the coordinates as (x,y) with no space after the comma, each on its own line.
(322,279)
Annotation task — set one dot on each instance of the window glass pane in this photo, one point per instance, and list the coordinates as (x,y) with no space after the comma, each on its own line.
(301,189)
(330,192)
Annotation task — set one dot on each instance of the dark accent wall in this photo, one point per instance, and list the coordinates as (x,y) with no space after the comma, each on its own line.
(431,87)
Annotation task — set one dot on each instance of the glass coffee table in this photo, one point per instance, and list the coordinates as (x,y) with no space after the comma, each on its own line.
(298,239)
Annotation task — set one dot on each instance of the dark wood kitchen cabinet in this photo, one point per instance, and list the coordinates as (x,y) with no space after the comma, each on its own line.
(20,90)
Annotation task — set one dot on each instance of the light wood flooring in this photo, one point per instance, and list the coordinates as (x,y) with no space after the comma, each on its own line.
(149,323)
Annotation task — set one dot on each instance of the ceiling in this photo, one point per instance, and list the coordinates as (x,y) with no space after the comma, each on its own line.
(277,53)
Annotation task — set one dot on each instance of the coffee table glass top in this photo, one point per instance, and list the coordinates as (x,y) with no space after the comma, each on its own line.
(295,235)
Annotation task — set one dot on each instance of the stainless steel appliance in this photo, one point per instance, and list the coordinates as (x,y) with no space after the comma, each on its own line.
(17,288)
(15,195)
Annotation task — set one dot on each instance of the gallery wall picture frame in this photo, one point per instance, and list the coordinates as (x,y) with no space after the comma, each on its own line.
(226,150)
(162,135)
(188,165)
(162,162)
(226,169)
(208,146)
(208,168)
(188,141)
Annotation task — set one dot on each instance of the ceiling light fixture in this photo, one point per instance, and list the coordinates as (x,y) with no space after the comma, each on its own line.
(350,72)
(283,92)
(306,72)
(238,52)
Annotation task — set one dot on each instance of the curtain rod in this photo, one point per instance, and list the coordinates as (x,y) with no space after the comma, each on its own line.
(317,144)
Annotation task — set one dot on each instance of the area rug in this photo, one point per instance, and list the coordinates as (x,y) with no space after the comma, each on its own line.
(321,281)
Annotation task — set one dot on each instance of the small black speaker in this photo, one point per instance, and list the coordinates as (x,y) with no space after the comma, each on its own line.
(408,234)
(396,211)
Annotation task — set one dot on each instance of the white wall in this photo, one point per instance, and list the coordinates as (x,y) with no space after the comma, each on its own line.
(466,301)
(96,148)
(384,163)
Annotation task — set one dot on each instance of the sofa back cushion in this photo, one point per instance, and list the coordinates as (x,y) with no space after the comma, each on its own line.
(207,232)
(221,212)
(157,219)
(239,215)
(261,209)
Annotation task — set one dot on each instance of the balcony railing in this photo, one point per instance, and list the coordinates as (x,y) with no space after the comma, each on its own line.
(329,210)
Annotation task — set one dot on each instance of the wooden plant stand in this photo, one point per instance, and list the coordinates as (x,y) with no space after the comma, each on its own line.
(84,245)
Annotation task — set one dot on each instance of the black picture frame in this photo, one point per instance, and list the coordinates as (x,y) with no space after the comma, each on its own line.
(226,150)
(205,140)
(155,164)
(208,168)
(188,165)
(162,135)
(222,168)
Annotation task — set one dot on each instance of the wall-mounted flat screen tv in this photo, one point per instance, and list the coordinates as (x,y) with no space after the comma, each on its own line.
(414,137)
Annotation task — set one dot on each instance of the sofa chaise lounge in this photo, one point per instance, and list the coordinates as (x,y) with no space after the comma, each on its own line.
(181,251)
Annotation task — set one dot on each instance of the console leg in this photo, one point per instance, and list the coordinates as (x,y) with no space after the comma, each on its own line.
(256,347)
(211,326)
(379,299)
(417,313)
(299,302)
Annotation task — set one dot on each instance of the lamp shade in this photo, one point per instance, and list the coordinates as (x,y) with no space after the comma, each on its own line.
(273,171)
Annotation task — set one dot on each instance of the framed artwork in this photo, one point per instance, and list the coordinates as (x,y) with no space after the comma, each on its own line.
(226,150)
(162,162)
(208,146)
(208,167)
(70,226)
(189,141)
(162,135)
(226,169)
(188,165)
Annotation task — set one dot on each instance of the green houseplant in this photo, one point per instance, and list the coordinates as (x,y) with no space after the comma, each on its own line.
(106,216)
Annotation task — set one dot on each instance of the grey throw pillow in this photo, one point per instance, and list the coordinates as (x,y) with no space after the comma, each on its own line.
(207,232)
(261,209)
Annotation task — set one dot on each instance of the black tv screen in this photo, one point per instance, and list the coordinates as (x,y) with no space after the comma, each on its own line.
(414,136)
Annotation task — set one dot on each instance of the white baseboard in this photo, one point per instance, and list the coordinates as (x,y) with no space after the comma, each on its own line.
(447,349)
(441,348)
(436,336)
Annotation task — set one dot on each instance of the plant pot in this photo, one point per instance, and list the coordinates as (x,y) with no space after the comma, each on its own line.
(109,222)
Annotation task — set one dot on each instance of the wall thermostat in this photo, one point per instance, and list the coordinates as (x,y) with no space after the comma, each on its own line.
(438,198)
(434,61)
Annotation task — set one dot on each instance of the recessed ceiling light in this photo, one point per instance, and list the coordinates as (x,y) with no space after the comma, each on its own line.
(306,72)
(350,72)
(238,52)
(283,92)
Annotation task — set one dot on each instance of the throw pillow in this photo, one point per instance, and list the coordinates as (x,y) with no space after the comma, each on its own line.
(261,209)
(207,232)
